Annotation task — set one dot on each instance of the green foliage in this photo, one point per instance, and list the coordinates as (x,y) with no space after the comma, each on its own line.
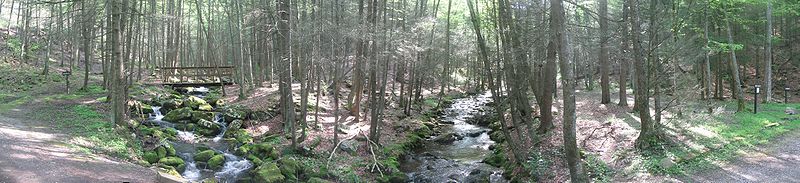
(598,170)
(735,134)
(87,125)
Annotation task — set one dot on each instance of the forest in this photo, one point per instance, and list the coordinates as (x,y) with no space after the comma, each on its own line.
(399,91)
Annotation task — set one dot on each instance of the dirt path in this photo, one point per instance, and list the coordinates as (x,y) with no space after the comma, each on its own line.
(30,152)
(777,162)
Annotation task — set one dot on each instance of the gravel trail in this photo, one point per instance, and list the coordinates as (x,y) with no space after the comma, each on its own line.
(33,152)
(777,162)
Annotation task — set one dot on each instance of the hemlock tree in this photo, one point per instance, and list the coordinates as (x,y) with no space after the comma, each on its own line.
(559,35)
(282,42)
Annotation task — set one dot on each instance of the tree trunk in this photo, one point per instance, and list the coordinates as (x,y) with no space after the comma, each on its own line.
(768,56)
(604,80)
(642,107)
(734,67)
(285,86)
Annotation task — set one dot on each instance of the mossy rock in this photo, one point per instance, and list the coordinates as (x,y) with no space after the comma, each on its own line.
(194,102)
(150,156)
(497,136)
(175,162)
(198,115)
(243,137)
(204,156)
(317,180)
(171,132)
(161,151)
(264,148)
(169,105)
(205,107)
(178,114)
(235,124)
(244,149)
(216,162)
(495,159)
(231,113)
(170,150)
(268,172)
(254,159)
(290,168)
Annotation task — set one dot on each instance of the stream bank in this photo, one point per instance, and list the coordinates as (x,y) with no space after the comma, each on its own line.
(193,134)
(459,147)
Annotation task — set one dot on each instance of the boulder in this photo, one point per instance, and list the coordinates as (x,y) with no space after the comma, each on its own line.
(495,159)
(164,177)
(194,102)
(447,138)
(290,168)
(790,111)
(349,146)
(230,113)
(215,101)
(216,162)
(204,156)
(268,172)
(478,176)
(150,156)
(198,115)
(169,105)
(178,114)
(209,125)
(261,115)
(205,107)
(174,162)
(475,133)
(235,124)
(161,151)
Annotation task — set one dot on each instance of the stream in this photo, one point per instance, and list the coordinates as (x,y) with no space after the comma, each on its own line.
(455,155)
(189,143)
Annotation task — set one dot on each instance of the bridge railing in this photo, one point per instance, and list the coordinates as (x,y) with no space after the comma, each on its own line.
(221,75)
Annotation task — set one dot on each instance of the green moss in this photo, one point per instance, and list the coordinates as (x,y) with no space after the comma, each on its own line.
(175,162)
(216,162)
(178,114)
(204,156)
(268,172)
(161,151)
(290,168)
(151,157)
(497,158)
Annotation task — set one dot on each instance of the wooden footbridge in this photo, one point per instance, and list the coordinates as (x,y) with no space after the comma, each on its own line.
(194,76)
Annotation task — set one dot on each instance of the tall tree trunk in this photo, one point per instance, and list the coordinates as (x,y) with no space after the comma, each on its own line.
(768,56)
(623,61)
(642,107)
(604,80)
(734,67)
(118,67)
(559,36)
(285,86)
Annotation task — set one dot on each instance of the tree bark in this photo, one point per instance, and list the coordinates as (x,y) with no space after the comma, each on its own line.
(604,80)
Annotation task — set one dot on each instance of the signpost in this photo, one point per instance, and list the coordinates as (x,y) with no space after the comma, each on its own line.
(755,102)
(66,74)
(786,95)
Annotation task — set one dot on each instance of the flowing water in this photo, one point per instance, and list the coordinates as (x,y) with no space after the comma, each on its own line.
(186,146)
(458,159)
